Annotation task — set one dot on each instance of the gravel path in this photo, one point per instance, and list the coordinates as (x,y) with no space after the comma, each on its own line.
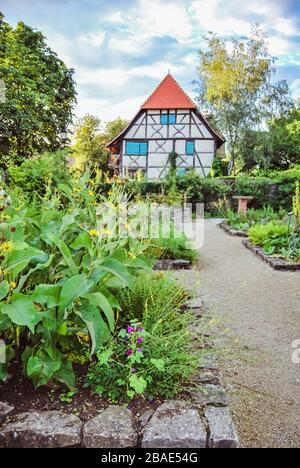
(261,309)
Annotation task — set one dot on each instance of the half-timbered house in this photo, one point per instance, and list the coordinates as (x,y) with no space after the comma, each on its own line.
(168,122)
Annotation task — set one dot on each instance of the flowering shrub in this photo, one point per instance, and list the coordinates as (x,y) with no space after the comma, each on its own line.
(156,354)
(60,270)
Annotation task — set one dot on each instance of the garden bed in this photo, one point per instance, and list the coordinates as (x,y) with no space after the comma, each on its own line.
(232,232)
(38,418)
(276,263)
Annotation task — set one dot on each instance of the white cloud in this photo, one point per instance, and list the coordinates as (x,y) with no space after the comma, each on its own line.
(100,55)
(157,17)
(93,39)
(212,15)
(295,88)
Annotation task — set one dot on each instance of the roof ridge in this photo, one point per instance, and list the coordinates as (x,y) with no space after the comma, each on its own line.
(160,85)
(181,88)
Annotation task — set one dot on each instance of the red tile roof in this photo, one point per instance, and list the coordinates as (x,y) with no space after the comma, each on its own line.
(169,95)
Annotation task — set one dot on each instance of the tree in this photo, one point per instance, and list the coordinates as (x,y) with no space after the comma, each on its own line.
(91,138)
(275,148)
(235,84)
(40,94)
(114,128)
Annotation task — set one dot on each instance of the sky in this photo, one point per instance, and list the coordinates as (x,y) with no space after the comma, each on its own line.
(122,49)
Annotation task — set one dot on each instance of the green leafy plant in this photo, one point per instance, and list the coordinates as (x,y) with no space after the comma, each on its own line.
(60,268)
(243,222)
(156,354)
(272,237)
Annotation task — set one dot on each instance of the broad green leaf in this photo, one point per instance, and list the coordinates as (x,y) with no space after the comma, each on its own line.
(22,311)
(96,326)
(138,263)
(4,289)
(67,221)
(117,269)
(47,294)
(159,364)
(99,300)
(138,384)
(41,369)
(75,287)
(66,375)
(82,241)
(18,260)
(65,188)
(66,253)
(111,298)
(39,266)
(5,323)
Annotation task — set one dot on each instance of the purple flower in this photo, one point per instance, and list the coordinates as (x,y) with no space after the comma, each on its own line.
(130,329)
(129,352)
(139,350)
(141,329)
(133,371)
(140,340)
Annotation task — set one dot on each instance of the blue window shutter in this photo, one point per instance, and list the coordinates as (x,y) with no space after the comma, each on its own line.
(190,147)
(132,147)
(164,119)
(143,148)
(136,147)
(172,119)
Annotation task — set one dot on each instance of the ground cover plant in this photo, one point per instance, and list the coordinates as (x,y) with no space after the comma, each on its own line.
(281,239)
(153,353)
(243,221)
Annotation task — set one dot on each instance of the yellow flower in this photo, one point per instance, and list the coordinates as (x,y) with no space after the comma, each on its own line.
(18,209)
(127,226)
(93,232)
(110,193)
(13,285)
(131,255)
(106,232)
(91,194)
(92,182)
(6,247)
(77,190)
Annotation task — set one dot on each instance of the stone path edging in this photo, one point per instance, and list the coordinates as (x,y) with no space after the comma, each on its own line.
(275,262)
(232,232)
(169,264)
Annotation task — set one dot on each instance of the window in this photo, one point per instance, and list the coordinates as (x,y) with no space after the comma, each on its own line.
(164,119)
(168,119)
(190,147)
(136,147)
(181,171)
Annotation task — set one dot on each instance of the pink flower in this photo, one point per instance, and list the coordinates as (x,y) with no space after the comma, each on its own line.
(129,352)
(140,340)
(130,329)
